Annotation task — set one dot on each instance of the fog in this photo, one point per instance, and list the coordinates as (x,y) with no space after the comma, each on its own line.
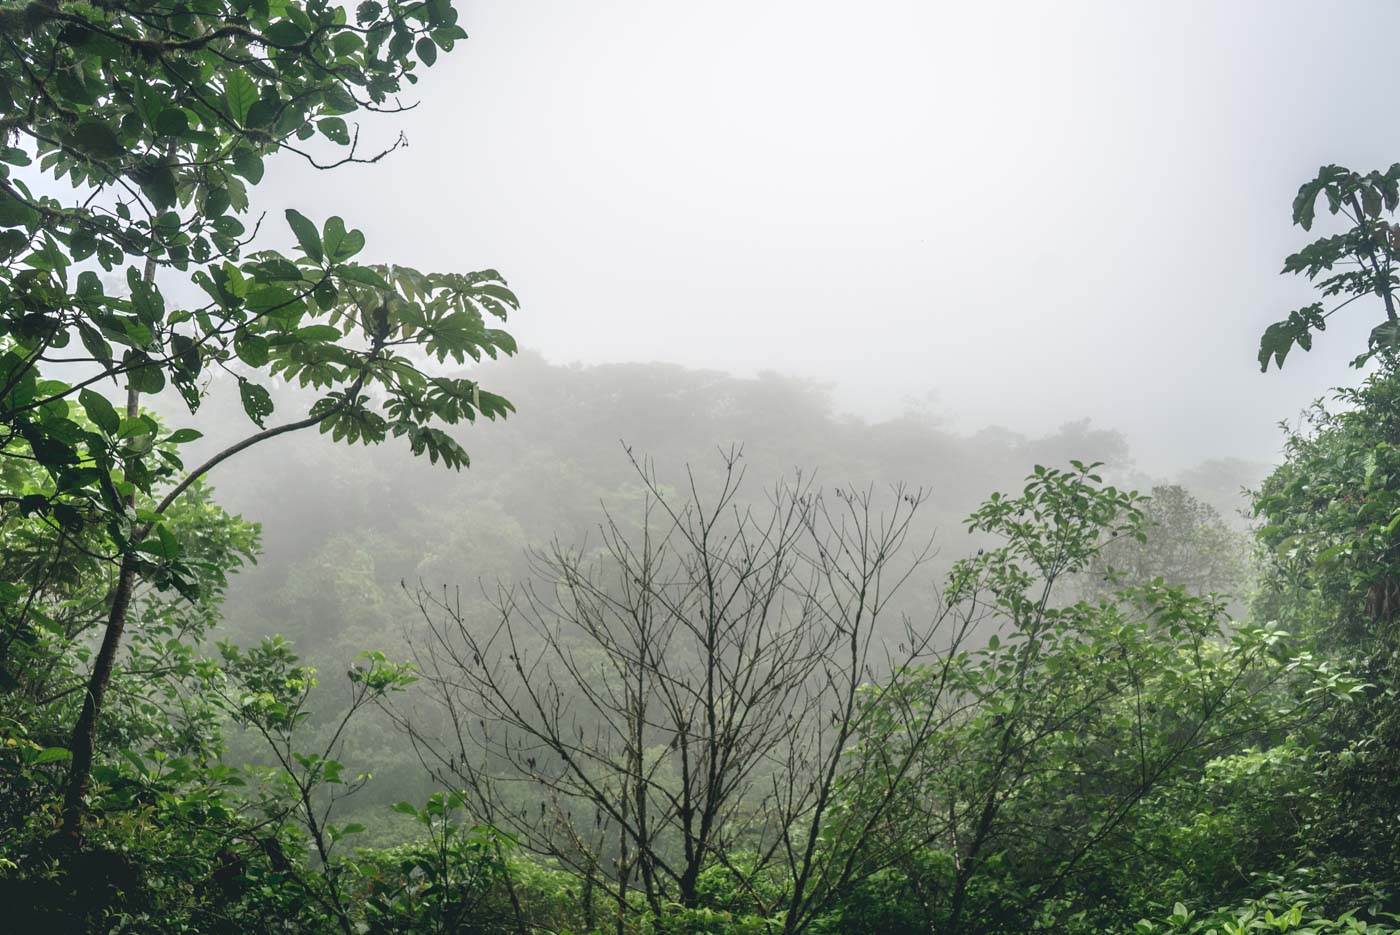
(872,517)
(1015,214)
(902,242)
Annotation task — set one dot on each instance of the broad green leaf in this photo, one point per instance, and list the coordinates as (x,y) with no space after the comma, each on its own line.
(96,138)
(252,349)
(285,33)
(172,122)
(240,94)
(346,43)
(257,402)
(306,234)
(341,244)
(100,411)
(145,376)
(363,275)
(248,164)
(335,130)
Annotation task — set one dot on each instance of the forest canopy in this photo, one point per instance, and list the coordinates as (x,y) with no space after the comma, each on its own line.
(686,651)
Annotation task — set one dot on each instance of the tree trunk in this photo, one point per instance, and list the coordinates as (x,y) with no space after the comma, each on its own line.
(82,745)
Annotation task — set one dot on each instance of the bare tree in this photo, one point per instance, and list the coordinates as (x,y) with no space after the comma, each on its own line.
(684,696)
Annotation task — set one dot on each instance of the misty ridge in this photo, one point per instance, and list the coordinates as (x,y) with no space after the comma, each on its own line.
(548,469)
(337,514)
(745,468)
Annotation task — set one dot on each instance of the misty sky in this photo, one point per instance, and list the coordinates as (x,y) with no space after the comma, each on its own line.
(1036,212)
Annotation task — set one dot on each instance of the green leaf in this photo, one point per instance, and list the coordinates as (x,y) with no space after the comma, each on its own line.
(96,138)
(95,344)
(144,375)
(141,425)
(134,758)
(347,42)
(285,33)
(426,50)
(158,184)
(334,129)
(447,36)
(501,293)
(68,516)
(216,201)
(252,349)
(341,244)
(15,213)
(1305,202)
(326,295)
(168,544)
(257,402)
(353,243)
(172,122)
(1371,201)
(262,114)
(363,276)
(181,436)
(100,411)
(240,93)
(306,233)
(338,101)
(14,156)
(52,755)
(248,164)
(273,299)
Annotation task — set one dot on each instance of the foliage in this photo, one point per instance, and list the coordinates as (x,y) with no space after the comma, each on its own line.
(161,117)
(448,883)
(1073,715)
(1280,911)
(696,682)
(1189,545)
(722,716)
(1352,265)
(1332,512)
(183,841)
(159,680)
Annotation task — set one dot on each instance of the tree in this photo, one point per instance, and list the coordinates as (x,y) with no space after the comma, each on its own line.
(66,585)
(1332,514)
(683,698)
(161,117)
(1352,265)
(1069,719)
(1332,543)
(1186,544)
(266,691)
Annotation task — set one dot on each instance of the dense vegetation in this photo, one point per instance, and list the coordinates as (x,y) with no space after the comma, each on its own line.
(637,687)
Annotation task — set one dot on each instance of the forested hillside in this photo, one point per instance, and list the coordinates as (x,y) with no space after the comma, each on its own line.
(344,549)
(548,473)
(305,629)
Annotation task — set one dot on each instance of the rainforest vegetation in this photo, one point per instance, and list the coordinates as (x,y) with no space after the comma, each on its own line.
(683,651)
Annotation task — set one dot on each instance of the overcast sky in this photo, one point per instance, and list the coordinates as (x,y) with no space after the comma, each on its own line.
(1037,212)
